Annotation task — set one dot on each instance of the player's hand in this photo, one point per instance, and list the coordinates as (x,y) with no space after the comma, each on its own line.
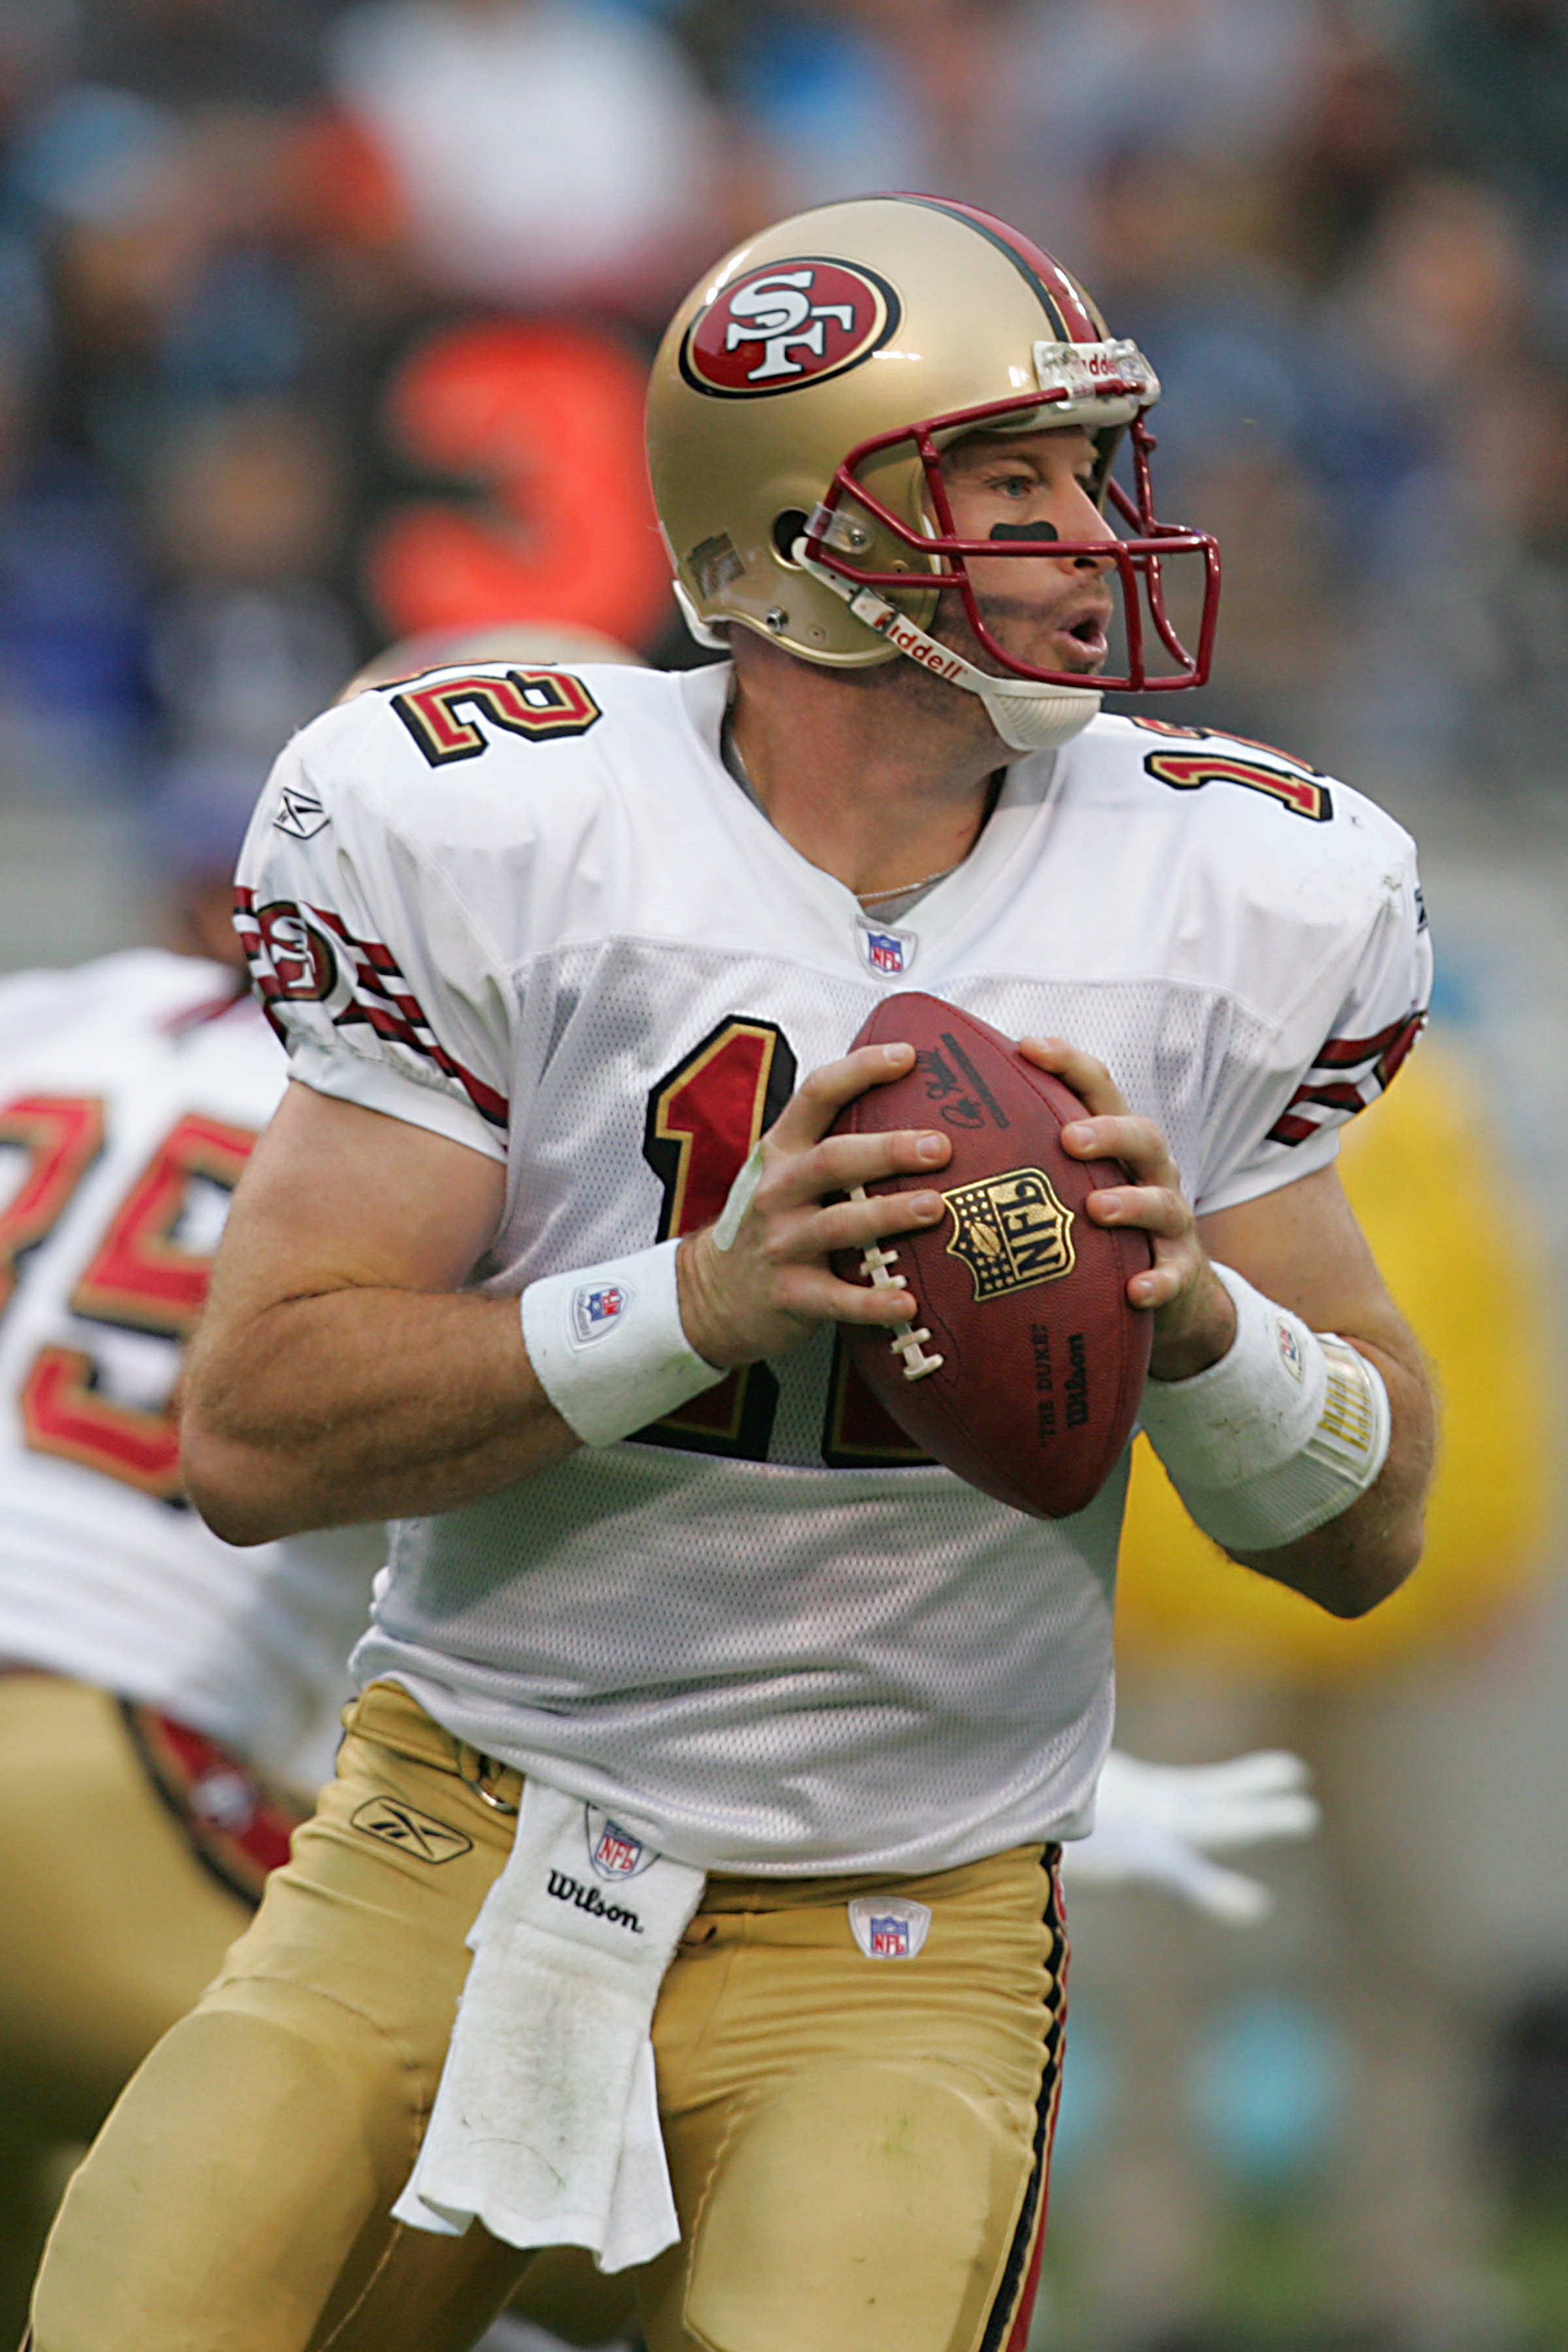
(1195,1321)
(758,1283)
(1157,1824)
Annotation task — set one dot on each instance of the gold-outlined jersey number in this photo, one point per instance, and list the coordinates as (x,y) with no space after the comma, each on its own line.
(703,1118)
(1189,771)
(539,704)
(859,1432)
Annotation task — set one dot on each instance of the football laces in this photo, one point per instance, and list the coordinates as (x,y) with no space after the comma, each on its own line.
(904,1340)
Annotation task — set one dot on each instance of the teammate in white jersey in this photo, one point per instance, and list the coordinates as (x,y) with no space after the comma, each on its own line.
(149,1672)
(550,951)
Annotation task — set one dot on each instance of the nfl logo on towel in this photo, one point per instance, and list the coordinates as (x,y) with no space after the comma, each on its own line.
(597,1308)
(614,1851)
(885,951)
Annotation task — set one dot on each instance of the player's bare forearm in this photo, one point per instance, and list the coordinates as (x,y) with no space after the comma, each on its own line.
(341,1371)
(361,1404)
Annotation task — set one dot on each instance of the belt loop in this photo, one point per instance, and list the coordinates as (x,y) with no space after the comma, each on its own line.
(485,1771)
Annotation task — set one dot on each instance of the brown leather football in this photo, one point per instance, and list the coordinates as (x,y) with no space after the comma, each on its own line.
(1043,1359)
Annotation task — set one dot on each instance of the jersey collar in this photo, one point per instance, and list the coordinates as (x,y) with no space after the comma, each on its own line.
(886,951)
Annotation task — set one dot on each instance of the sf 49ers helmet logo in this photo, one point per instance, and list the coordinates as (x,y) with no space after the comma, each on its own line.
(791,323)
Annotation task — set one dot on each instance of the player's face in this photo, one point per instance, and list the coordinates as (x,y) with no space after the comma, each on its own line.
(1053,612)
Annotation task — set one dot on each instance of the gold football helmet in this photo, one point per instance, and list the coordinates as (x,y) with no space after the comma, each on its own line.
(800,403)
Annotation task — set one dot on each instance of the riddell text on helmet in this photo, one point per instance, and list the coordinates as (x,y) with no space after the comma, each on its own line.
(917,645)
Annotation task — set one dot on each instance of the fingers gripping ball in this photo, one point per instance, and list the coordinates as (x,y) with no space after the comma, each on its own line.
(1024,1369)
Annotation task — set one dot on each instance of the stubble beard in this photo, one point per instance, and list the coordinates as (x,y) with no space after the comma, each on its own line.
(922,693)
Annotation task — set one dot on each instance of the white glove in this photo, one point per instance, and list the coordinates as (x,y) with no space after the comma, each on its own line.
(1156,1824)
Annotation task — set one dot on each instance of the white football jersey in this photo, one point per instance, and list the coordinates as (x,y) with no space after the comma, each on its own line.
(533,912)
(131,1090)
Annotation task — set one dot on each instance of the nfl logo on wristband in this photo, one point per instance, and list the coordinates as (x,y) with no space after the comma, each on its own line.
(597,1308)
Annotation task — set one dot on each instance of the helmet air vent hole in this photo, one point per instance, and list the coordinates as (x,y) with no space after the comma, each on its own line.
(787,528)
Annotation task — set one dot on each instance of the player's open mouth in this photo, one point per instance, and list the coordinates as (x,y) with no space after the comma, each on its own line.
(1084,642)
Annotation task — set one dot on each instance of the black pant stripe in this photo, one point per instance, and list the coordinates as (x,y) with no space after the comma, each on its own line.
(1016,2269)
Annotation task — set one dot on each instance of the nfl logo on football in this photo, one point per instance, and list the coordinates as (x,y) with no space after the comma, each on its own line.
(597,1308)
(885,951)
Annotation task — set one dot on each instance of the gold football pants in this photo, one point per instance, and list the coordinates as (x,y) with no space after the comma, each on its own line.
(858,2147)
(111,1927)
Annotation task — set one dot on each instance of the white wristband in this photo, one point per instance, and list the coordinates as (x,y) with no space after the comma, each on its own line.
(1279,1437)
(608,1347)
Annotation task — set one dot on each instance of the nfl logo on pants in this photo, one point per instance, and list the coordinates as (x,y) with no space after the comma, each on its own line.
(890,1927)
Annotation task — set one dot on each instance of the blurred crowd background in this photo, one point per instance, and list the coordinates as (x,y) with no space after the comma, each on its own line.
(323,325)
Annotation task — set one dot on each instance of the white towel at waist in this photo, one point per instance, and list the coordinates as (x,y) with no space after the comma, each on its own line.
(546,2125)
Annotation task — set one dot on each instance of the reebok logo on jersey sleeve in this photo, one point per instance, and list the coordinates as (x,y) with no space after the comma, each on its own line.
(300,813)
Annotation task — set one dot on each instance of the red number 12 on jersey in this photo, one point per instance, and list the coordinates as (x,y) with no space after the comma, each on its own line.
(702,1120)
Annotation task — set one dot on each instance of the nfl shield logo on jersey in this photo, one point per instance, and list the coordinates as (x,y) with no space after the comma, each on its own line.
(890,1927)
(888,951)
(613,1850)
(597,1308)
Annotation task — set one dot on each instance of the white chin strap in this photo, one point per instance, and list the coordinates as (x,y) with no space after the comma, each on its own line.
(1028,715)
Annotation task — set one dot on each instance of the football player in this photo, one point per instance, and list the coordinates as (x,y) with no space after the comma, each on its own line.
(186,1692)
(168,1703)
(669,1613)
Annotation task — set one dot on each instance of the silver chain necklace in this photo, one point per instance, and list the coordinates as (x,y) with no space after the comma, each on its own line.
(730,751)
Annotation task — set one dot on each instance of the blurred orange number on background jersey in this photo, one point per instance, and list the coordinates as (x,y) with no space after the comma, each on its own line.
(141,1278)
(547,421)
